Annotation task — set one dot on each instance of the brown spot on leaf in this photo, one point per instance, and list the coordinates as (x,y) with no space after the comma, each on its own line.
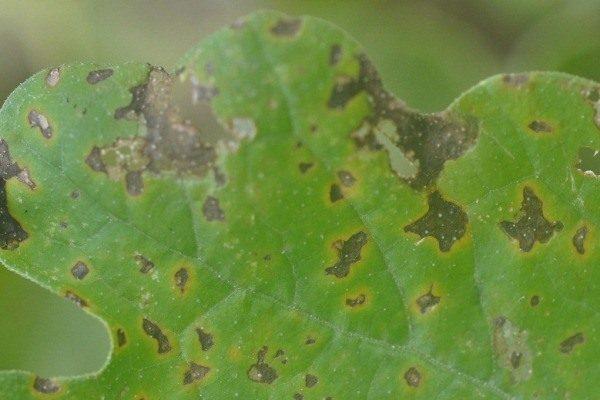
(412,377)
(287,27)
(45,386)
(206,339)
(535,300)
(356,301)
(121,337)
(567,345)
(76,299)
(153,330)
(539,126)
(579,239)
(181,277)
(94,160)
(196,372)
(305,166)
(211,209)
(588,162)
(346,178)
(134,182)
(95,77)
(345,89)
(428,301)
(145,264)
(335,193)
(262,372)
(335,54)
(38,120)
(80,270)
(532,226)
(310,341)
(445,221)
(512,350)
(310,380)
(348,254)
(53,77)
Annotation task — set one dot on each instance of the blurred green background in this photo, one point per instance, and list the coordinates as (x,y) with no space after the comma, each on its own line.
(428,52)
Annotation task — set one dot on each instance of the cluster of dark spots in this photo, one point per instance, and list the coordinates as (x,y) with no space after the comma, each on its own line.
(512,350)
(310,380)
(348,254)
(412,377)
(99,75)
(45,386)
(153,330)
(532,226)
(121,337)
(53,77)
(262,372)
(356,301)
(280,355)
(335,193)
(212,210)
(540,126)
(287,27)
(181,277)
(123,159)
(38,120)
(76,299)
(206,339)
(310,341)
(579,239)
(346,178)
(11,232)
(305,166)
(445,221)
(588,162)
(145,264)
(567,345)
(80,270)
(335,54)
(428,301)
(345,89)
(196,372)
(516,80)
(418,144)
(534,300)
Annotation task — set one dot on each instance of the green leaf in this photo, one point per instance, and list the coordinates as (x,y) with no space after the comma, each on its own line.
(330,243)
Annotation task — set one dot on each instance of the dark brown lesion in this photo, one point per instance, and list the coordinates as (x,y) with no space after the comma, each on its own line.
(356,301)
(445,221)
(335,193)
(195,373)
(80,270)
(153,330)
(567,345)
(335,54)
(262,372)
(181,278)
(287,27)
(97,76)
(412,376)
(205,338)
(144,264)
(346,178)
(211,209)
(349,253)
(579,239)
(540,126)
(427,301)
(45,385)
(531,226)
(305,166)
(426,141)
(311,380)
(588,162)
(121,337)
(40,121)
(75,298)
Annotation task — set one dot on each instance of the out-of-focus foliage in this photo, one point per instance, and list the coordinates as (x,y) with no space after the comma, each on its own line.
(426,53)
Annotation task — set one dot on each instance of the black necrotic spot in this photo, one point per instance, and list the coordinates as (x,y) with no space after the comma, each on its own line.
(335,193)
(212,210)
(196,372)
(80,270)
(262,372)
(412,377)
(181,277)
(206,339)
(335,54)
(46,386)
(427,301)
(287,27)
(143,263)
(153,330)
(579,239)
(97,76)
(348,254)
(356,301)
(567,345)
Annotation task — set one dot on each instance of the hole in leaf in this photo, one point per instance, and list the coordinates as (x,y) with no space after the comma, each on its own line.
(47,334)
